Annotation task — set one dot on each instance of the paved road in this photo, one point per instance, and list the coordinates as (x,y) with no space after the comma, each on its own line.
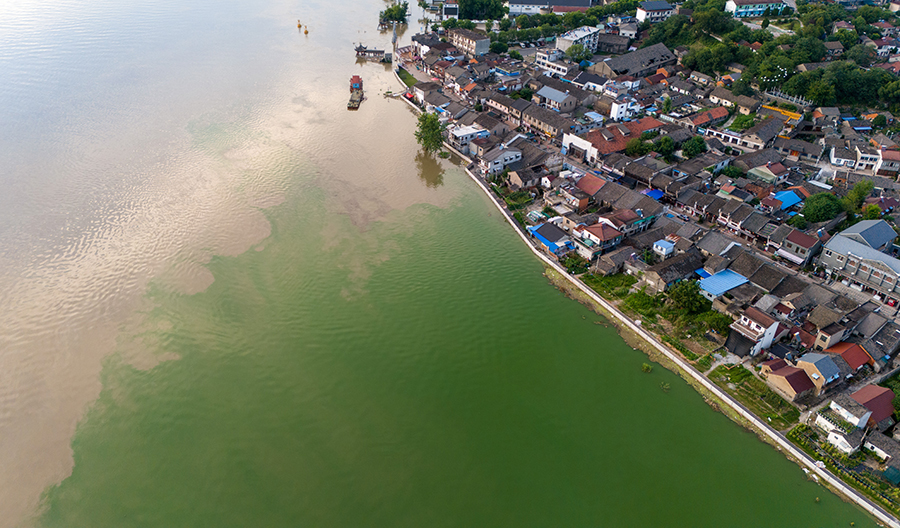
(773,29)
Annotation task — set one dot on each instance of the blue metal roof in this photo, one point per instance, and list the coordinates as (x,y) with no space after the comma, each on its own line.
(656,194)
(788,199)
(702,272)
(665,244)
(721,282)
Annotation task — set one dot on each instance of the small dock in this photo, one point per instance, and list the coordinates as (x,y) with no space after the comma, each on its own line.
(372,54)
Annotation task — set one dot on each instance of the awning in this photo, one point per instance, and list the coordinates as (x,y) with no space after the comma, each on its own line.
(790,256)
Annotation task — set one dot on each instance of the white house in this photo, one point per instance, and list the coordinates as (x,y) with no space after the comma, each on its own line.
(654,11)
(758,328)
(460,136)
(753,8)
(585,35)
(498,158)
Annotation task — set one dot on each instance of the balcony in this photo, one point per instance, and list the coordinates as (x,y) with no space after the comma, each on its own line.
(748,332)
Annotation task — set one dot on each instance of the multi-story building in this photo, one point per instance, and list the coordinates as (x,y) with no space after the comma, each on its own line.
(585,35)
(654,11)
(753,8)
(888,163)
(549,60)
(472,43)
(460,136)
(757,328)
(855,256)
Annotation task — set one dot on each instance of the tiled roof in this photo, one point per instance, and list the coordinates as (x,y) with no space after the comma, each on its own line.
(876,399)
(796,378)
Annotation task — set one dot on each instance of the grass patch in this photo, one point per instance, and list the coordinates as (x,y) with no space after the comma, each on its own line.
(705,362)
(575,264)
(406,77)
(755,395)
(610,286)
(679,346)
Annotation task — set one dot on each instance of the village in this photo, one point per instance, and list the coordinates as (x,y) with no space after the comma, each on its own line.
(753,233)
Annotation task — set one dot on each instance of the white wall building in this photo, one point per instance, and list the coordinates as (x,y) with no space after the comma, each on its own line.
(585,35)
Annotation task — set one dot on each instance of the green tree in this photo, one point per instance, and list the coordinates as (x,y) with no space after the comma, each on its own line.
(765,22)
(861,54)
(481,9)
(505,24)
(821,207)
(732,172)
(686,297)
(857,195)
(665,146)
(667,105)
(693,147)
(523,22)
(514,54)
(741,87)
(821,93)
(397,12)
(847,37)
(578,53)
(498,47)
(880,121)
(636,148)
(871,212)
(430,133)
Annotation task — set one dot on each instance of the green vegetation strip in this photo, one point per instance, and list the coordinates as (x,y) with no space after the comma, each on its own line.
(755,395)
(866,481)
(406,77)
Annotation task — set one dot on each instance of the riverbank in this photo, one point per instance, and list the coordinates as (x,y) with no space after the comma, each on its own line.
(639,338)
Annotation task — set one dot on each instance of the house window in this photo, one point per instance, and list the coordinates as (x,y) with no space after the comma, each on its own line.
(840,258)
(827,252)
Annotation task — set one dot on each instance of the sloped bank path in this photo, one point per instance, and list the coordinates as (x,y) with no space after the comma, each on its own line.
(751,421)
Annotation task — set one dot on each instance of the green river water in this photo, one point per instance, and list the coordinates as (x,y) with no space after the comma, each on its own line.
(246,306)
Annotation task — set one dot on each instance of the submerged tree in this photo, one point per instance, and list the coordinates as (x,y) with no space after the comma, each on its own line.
(396,13)
(429,133)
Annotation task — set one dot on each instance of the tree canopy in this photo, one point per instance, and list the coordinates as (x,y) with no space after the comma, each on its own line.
(693,147)
(821,207)
(578,53)
(685,296)
(429,132)
(482,9)
(397,12)
(857,195)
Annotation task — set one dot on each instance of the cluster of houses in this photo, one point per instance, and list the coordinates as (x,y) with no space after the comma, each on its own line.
(569,142)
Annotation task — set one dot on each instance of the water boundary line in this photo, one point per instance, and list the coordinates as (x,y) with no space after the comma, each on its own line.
(764,428)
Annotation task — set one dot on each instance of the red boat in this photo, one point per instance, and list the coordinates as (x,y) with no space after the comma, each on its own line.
(356,83)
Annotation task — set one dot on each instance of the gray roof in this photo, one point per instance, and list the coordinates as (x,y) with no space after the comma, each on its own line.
(885,443)
(884,342)
(767,129)
(789,285)
(850,405)
(870,324)
(824,364)
(714,243)
(553,94)
(874,233)
(767,277)
(551,232)
(656,5)
(845,246)
(640,59)
(780,233)
(746,264)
